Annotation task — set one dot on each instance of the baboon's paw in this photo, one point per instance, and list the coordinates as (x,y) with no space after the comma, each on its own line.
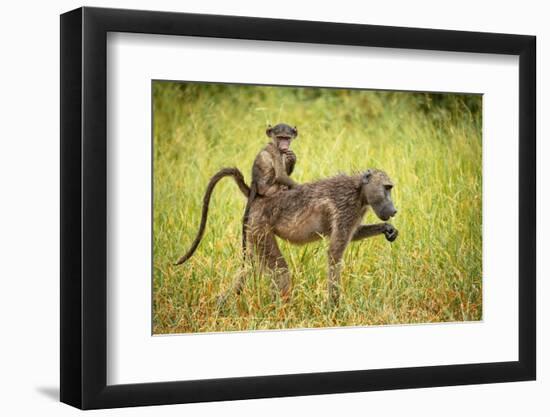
(390,233)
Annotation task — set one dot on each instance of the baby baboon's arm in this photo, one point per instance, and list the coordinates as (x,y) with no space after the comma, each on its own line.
(368,230)
(281,176)
(290,161)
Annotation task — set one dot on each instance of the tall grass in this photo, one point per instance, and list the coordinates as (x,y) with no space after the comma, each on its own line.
(429,144)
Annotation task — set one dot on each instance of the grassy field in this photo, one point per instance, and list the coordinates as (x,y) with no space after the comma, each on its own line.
(429,144)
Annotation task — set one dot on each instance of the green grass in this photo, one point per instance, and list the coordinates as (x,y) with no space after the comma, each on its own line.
(429,144)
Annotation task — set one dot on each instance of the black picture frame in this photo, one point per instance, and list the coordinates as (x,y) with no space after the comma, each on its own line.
(84,207)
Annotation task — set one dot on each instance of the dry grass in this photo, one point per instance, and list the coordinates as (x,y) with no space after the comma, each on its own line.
(429,144)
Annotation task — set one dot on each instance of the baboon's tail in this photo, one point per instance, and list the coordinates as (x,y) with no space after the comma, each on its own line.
(225,172)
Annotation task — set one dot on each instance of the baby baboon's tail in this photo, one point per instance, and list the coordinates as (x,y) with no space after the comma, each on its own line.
(225,172)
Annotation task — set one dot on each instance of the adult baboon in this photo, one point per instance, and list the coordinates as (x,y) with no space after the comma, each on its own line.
(331,208)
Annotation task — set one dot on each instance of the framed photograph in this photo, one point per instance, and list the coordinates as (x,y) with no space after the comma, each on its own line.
(257,208)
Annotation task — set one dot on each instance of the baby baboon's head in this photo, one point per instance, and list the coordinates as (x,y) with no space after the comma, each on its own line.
(376,190)
(281,135)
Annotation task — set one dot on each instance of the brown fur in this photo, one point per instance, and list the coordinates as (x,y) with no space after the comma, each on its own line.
(332,208)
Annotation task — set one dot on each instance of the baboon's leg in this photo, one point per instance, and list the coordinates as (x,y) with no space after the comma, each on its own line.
(369,230)
(242,274)
(238,284)
(237,287)
(339,240)
(270,257)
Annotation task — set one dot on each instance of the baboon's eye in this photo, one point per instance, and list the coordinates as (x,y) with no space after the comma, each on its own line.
(388,187)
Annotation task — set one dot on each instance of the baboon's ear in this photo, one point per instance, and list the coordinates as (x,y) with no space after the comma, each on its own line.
(366,176)
(295,130)
(269,130)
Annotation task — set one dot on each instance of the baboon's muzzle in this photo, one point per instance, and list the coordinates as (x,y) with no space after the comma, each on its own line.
(284,143)
(387,212)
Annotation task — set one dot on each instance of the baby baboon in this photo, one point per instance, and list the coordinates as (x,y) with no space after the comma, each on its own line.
(333,208)
(271,168)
